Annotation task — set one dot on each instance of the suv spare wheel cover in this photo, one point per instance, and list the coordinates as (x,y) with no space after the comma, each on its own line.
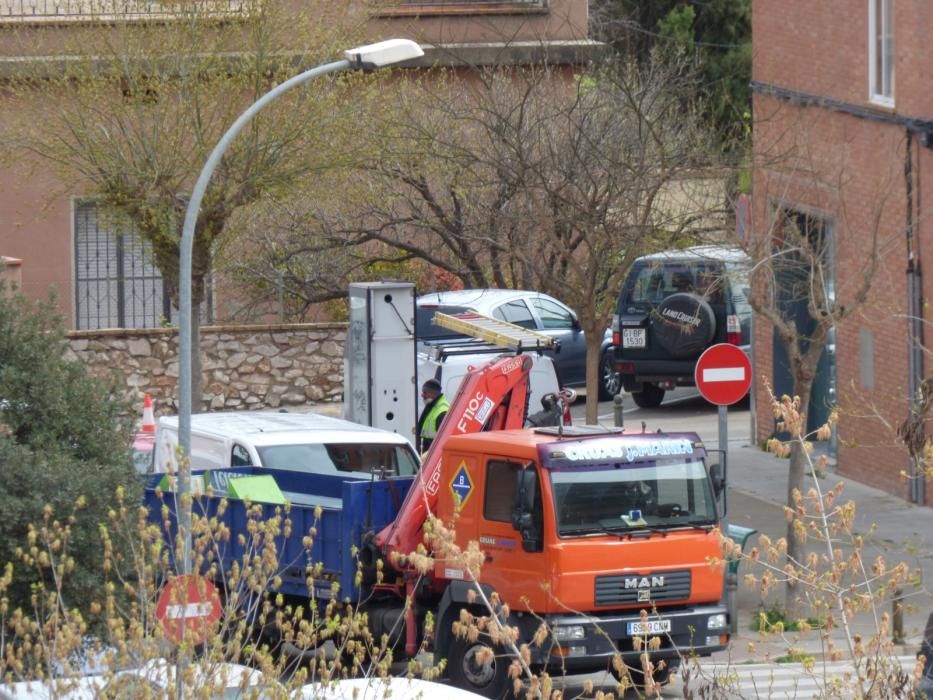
(683,324)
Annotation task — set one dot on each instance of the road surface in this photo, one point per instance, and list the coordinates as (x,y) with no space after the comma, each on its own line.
(682,409)
(740,681)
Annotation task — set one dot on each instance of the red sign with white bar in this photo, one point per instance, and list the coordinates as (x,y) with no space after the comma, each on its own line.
(723,374)
(188,608)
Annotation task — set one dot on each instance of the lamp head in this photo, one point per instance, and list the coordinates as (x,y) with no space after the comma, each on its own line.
(383,53)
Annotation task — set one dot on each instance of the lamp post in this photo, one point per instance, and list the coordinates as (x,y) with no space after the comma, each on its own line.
(369,57)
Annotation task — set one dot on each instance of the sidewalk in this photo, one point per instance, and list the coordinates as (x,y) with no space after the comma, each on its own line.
(892,528)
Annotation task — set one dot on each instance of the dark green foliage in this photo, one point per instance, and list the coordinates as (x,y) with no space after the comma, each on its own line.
(770,617)
(677,26)
(717,32)
(61,437)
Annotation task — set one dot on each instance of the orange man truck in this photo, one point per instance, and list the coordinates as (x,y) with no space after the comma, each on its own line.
(604,536)
(583,530)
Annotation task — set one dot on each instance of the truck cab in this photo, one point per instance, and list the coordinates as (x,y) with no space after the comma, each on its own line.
(621,527)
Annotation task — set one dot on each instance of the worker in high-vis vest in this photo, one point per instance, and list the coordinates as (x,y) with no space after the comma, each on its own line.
(435,408)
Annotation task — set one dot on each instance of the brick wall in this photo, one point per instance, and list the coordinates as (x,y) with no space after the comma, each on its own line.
(849,169)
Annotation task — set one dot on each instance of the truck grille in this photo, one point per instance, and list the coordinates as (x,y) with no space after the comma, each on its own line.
(631,589)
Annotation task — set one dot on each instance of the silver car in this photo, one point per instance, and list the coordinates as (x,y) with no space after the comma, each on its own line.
(532,310)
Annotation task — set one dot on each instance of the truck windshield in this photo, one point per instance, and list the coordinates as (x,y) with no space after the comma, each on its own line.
(344,458)
(663,495)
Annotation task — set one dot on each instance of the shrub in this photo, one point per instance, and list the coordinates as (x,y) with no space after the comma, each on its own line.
(769,618)
(63,448)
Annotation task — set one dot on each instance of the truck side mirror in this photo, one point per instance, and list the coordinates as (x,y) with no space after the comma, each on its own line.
(719,476)
(523,510)
(716,479)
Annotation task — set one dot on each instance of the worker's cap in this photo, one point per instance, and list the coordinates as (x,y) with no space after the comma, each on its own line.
(432,385)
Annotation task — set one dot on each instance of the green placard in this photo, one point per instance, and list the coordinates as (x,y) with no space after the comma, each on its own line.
(258,489)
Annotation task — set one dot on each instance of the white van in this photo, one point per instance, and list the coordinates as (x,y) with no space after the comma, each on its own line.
(449,364)
(306,442)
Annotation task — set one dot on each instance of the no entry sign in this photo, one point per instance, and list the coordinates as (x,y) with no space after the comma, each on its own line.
(188,608)
(723,374)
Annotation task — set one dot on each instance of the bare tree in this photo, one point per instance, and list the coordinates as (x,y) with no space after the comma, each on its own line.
(292,263)
(133,112)
(811,219)
(537,178)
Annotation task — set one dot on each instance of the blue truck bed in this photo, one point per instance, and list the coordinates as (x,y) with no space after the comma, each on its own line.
(350,507)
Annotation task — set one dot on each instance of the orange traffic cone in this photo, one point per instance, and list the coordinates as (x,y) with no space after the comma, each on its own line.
(149,425)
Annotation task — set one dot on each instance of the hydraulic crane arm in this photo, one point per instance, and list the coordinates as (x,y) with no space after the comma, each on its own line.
(491,397)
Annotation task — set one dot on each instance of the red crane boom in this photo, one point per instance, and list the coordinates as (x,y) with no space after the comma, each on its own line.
(491,397)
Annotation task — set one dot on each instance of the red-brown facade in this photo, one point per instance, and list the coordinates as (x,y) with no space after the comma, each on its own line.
(39,215)
(844,134)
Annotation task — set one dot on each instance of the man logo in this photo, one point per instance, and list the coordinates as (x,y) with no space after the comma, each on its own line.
(639,582)
(644,596)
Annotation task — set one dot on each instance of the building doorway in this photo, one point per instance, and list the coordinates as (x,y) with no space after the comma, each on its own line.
(804,247)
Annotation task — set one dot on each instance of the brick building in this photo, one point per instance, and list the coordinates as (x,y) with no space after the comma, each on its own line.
(842,140)
(104,280)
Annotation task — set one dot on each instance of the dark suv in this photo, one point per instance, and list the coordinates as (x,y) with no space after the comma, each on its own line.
(672,307)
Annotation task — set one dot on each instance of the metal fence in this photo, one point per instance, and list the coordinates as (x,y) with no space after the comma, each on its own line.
(83,10)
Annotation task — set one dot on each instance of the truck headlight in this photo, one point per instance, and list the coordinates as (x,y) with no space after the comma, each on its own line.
(717,622)
(568,633)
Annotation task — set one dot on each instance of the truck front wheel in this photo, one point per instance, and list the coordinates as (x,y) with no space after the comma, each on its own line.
(472,668)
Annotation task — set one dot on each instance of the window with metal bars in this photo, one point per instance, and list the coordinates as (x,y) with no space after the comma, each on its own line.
(117,285)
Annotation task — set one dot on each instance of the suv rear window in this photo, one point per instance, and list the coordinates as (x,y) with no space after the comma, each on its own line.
(652,283)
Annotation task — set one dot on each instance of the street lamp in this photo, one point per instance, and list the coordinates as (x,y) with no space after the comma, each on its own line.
(369,57)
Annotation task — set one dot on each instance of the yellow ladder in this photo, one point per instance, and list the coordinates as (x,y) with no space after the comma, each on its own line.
(492,330)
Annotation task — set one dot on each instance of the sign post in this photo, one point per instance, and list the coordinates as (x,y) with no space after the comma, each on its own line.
(723,375)
(188,608)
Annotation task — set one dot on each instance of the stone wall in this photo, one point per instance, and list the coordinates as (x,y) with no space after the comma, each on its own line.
(243,367)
